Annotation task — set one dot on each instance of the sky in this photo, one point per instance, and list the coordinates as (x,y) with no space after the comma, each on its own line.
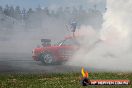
(54,3)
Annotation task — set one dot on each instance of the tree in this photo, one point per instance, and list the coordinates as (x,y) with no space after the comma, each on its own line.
(46,11)
(18,15)
(23,12)
(11,11)
(6,10)
(74,11)
(59,12)
(39,9)
(30,11)
(17,10)
(28,16)
(67,10)
(53,13)
(1,10)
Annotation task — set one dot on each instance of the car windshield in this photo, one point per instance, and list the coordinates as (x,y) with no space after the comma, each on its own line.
(67,42)
(59,43)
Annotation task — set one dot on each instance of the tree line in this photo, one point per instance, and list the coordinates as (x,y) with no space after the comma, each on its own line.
(90,16)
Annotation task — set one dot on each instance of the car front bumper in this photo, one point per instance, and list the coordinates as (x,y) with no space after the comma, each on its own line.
(35,58)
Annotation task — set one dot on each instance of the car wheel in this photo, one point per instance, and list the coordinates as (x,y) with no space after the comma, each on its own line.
(47,58)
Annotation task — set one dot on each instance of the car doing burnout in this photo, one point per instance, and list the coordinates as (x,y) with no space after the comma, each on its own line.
(60,52)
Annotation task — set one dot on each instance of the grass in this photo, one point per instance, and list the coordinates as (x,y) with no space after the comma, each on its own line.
(57,80)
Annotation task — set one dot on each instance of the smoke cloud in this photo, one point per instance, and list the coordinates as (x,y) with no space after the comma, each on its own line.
(18,40)
(110,48)
(22,29)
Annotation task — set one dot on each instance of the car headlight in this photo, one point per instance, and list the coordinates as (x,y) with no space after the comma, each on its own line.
(33,52)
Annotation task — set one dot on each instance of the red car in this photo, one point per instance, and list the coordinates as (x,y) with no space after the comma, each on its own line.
(60,52)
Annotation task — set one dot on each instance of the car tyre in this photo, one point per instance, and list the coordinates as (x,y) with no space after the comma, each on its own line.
(47,58)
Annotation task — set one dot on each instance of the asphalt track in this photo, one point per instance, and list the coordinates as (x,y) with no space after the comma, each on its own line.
(15,63)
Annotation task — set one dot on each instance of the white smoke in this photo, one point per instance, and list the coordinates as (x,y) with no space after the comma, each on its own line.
(111,48)
(21,41)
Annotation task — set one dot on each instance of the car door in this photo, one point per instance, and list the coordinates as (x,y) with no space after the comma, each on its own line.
(68,48)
